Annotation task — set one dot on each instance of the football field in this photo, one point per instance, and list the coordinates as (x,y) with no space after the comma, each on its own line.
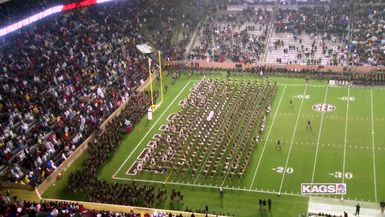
(343,144)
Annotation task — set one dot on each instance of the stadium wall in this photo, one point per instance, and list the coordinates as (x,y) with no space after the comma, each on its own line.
(11,185)
(232,66)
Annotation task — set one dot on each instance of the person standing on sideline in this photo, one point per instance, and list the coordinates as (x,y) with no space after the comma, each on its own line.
(221,192)
(269,203)
(260,203)
(382,205)
(358,207)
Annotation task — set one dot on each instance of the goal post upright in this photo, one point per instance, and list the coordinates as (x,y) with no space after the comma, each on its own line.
(159,66)
(151,89)
(161,76)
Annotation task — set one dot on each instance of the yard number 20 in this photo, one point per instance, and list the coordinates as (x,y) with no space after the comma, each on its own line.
(289,170)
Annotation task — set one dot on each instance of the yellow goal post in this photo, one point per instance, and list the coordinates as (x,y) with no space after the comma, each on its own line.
(152,78)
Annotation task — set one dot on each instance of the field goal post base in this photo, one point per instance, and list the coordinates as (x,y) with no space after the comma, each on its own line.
(156,106)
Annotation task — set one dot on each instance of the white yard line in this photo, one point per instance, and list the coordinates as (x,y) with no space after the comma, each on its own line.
(346,137)
(267,138)
(373,145)
(140,142)
(319,136)
(292,141)
(244,189)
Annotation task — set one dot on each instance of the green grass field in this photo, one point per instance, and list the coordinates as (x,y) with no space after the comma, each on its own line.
(345,145)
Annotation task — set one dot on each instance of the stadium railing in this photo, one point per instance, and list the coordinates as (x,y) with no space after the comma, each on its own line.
(128,209)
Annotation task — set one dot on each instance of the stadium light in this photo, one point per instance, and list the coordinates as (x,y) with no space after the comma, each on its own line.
(30,20)
(43,14)
(102,1)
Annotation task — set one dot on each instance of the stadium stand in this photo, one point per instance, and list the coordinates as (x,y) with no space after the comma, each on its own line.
(368,36)
(310,35)
(238,37)
(10,208)
(38,133)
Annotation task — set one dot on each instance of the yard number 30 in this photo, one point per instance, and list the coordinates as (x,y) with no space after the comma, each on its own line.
(338,175)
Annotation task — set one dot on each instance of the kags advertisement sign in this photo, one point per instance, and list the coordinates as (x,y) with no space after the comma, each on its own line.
(323,188)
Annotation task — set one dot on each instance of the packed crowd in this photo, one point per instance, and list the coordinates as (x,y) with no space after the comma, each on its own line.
(368,45)
(318,20)
(11,208)
(60,79)
(310,36)
(233,36)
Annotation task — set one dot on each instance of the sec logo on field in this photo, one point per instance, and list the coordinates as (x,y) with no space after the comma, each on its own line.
(324,107)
